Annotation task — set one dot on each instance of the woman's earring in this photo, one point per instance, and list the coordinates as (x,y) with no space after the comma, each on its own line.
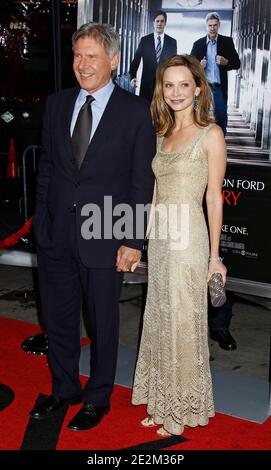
(196,103)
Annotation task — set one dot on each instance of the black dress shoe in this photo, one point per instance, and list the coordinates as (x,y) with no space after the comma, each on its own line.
(88,417)
(224,339)
(51,405)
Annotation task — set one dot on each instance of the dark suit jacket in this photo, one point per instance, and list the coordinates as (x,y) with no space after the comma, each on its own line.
(225,47)
(146,51)
(117,164)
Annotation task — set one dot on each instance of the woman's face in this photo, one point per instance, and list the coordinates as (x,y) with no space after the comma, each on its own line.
(179,88)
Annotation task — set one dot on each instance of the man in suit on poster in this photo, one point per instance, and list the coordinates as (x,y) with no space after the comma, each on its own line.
(152,49)
(92,150)
(217,56)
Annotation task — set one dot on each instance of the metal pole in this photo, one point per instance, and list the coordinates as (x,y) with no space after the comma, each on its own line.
(56,45)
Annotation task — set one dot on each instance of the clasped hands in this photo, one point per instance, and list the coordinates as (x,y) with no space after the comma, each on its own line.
(127,259)
(220,60)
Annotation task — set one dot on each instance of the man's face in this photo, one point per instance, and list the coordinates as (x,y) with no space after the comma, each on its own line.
(91,64)
(212,28)
(159,24)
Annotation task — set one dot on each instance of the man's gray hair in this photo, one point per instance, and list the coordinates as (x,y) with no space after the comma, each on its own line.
(212,16)
(102,33)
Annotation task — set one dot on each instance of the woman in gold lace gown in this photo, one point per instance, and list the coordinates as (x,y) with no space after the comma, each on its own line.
(172,373)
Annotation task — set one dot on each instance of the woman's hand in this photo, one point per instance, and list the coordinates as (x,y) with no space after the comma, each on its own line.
(216,266)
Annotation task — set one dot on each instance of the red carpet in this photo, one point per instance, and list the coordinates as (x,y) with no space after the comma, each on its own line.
(28,376)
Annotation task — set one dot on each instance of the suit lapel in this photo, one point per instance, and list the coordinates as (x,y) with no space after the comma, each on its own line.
(108,122)
(164,48)
(204,47)
(67,113)
(219,45)
(153,50)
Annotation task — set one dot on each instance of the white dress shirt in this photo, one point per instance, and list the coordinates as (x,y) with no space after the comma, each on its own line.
(162,36)
(97,106)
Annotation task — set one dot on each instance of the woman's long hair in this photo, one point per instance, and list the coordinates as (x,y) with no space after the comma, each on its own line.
(162,114)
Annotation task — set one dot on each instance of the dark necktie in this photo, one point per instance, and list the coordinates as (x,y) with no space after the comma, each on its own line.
(158,49)
(82,131)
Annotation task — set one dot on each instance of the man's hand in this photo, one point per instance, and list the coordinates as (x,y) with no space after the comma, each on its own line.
(203,62)
(127,259)
(134,83)
(220,60)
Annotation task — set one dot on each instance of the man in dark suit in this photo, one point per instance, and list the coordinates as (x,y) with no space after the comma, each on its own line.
(152,49)
(217,55)
(96,162)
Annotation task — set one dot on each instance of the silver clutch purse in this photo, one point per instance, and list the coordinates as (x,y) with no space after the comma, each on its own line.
(217,290)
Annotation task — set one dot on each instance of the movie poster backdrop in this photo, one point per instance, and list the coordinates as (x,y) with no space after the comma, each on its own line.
(245,239)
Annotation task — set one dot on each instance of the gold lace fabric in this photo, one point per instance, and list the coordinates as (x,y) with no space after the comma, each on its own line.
(172,373)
